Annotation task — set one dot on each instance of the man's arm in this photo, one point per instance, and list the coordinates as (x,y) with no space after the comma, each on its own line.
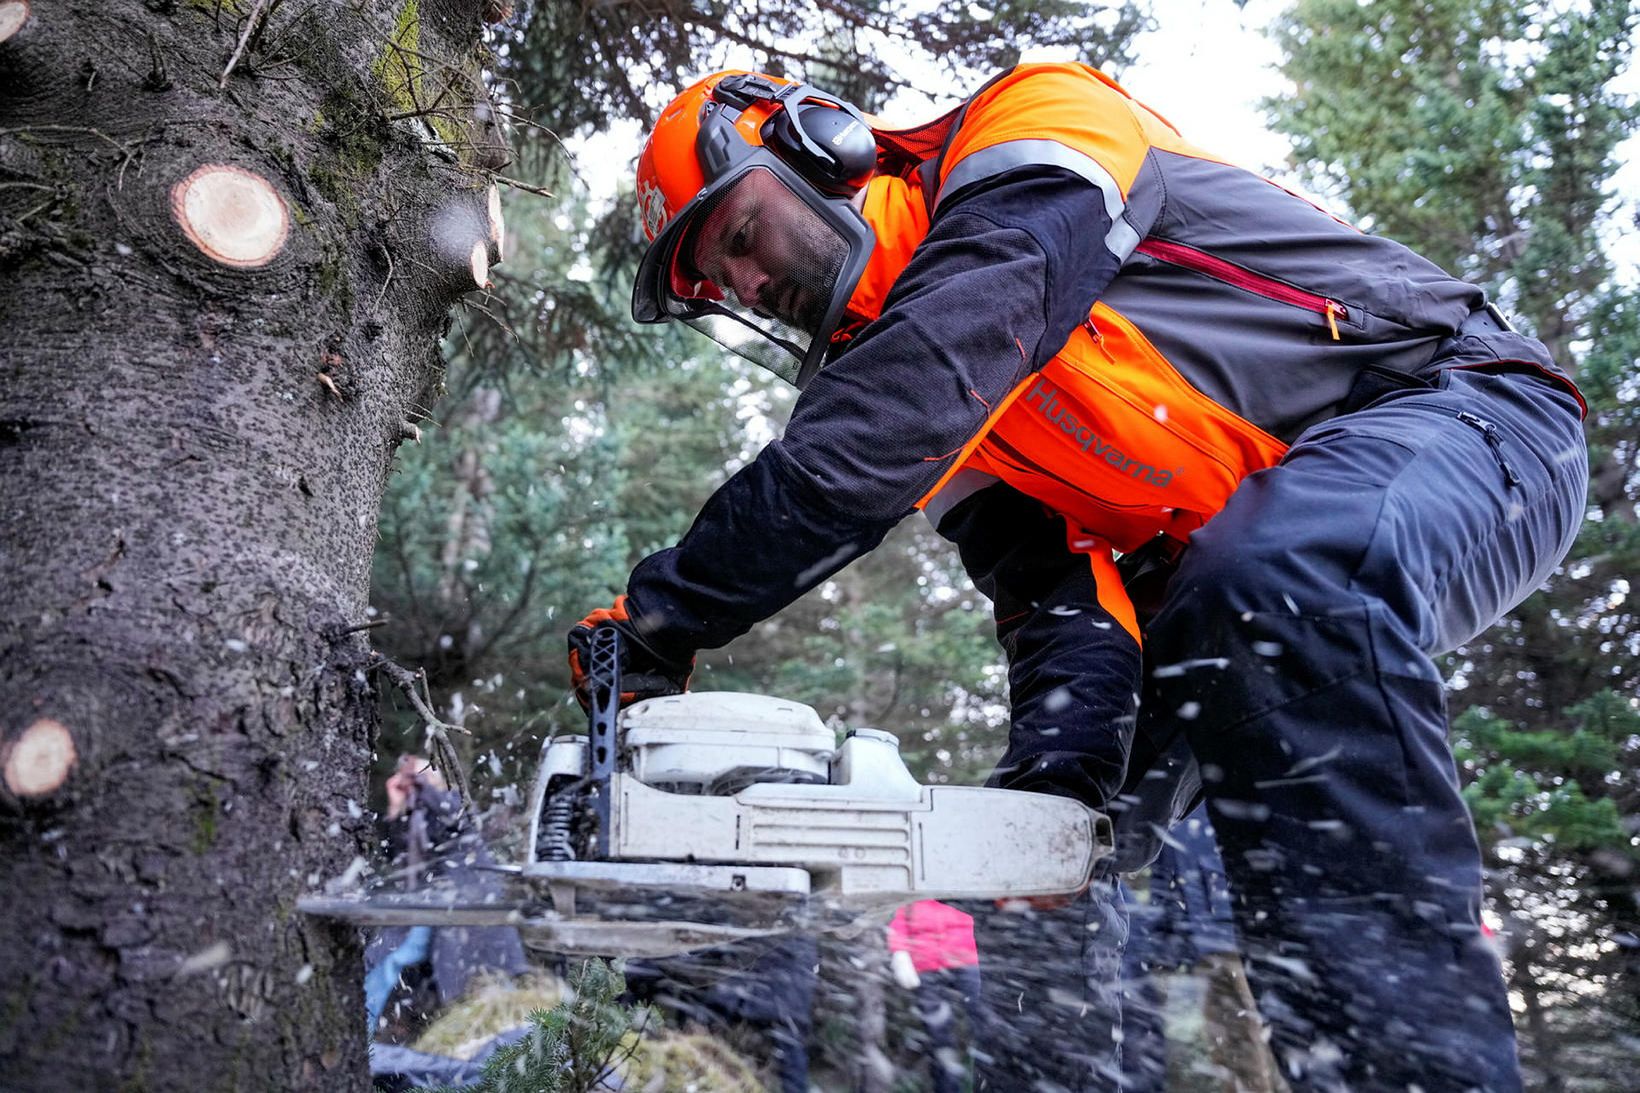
(1007,271)
(1068,630)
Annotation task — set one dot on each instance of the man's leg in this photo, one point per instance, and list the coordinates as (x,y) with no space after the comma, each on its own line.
(971,988)
(786,973)
(1296,644)
(1050,980)
(380,980)
(791,1056)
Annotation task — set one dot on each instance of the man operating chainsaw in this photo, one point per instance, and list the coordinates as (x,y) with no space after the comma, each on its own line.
(1062,331)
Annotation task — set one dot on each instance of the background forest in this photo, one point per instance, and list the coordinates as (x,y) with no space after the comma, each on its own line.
(569,442)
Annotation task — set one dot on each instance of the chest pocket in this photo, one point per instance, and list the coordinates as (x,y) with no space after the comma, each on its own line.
(1109,433)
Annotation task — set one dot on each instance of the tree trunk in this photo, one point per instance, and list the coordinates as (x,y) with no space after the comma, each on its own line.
(223,294)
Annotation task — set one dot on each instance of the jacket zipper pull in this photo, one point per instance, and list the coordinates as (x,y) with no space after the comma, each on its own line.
(1494,440)
(1334,310)
(1098,338)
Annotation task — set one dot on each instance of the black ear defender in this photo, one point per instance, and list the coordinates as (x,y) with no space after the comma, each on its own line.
(820,136)
(830,145)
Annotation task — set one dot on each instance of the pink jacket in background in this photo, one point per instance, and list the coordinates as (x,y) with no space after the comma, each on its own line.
(936,935)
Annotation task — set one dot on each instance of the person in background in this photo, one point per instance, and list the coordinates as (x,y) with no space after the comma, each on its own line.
(431,840)
(931,946)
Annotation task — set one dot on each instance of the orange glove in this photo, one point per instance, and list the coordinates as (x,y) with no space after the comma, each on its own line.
(643,674)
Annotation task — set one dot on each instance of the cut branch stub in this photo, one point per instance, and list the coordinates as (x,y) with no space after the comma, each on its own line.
(235,216)
(13,14)
(498,227)
(38,762)
(460,240)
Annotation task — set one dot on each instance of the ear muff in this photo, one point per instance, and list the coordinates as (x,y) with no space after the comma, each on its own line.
(819,136)
(831,146)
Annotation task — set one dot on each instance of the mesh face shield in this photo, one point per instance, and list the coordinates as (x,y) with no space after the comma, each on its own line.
(761,263)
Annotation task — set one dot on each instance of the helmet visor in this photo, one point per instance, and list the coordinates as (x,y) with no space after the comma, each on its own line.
(765,266)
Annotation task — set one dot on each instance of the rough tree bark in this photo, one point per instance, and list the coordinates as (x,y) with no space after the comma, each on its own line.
(230,232)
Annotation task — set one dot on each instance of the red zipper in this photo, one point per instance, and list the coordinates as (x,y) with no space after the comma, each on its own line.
(1190,258)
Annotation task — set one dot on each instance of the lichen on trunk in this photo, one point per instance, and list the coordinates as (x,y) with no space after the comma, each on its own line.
(225,287)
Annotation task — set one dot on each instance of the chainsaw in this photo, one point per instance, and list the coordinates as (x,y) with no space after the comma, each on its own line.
(699,819)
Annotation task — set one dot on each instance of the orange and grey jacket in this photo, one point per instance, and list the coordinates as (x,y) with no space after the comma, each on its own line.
(1078,333)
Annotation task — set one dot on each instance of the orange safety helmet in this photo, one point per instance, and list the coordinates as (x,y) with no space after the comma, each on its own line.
(708,139)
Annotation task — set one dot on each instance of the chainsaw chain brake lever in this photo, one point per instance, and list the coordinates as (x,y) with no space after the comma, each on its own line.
(604,690)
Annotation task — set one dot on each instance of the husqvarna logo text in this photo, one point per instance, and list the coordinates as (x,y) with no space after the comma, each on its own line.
(1045,398)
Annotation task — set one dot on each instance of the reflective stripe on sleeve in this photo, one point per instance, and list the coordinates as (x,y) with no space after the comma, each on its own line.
(998,158)
(961,486)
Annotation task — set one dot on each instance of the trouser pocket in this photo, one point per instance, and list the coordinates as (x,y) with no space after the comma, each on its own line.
(1494,441)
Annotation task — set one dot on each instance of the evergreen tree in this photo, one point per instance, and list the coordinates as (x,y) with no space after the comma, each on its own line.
(590,63)
(1484,135)
(562,455)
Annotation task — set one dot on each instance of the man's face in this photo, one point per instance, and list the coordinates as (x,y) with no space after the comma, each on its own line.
(762,245)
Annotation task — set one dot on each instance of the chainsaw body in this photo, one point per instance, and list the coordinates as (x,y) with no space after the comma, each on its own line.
(707,817)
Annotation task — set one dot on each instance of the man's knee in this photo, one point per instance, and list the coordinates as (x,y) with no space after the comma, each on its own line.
(1241,596)
(1246,633)
(1272,550)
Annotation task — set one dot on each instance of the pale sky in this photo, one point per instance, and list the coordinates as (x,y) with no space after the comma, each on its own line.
(1206,69)
(1211,64)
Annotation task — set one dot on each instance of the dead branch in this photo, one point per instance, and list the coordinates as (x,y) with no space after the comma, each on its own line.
(414,685)
(513,115)
(432,108)
(368,624)
(158,78)
(389,256)
(260,10)
(539,191)
(98,133)
(492,316)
